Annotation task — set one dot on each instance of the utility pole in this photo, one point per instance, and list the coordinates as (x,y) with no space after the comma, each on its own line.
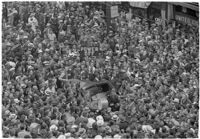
(108,14)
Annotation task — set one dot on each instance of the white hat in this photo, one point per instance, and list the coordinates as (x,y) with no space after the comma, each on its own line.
(16,100)
(10,63)
(99,117)
(90,122)
(100,122)
(176,100)
(74,126)
(39,51)
(62,32)
(33,126)
(137,60)
(47,50)
(46,62)
(136,85)
(30,67)
(117,136)
(12,69)
(23,85)
(98,137)
(13,116)
(115,117)
(53,127)
(61,137)
(67,134)
(30,45)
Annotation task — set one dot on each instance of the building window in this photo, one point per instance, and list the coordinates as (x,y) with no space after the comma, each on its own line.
(178,8)
(191,12)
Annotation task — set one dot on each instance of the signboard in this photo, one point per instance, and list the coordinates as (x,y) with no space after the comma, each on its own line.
(114,11)
(140,4)
(186,20)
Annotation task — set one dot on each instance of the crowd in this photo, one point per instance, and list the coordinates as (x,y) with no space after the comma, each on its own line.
(154,71)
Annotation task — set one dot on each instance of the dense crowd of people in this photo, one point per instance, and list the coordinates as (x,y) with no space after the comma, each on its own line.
(154,71)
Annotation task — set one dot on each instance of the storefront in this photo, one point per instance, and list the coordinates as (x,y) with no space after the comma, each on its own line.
(184,13)
(156,12)
(139,9)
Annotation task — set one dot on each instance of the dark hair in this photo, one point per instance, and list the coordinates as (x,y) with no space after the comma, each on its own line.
(22,126)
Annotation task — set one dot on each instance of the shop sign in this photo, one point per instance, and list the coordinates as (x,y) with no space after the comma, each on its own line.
(114,11)
(140,4)
(186,20)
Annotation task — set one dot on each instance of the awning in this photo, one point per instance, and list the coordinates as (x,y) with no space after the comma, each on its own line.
(140,4)
(187,5)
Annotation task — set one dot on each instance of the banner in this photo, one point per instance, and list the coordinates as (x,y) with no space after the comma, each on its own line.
(140,4)
(186,20)
(114,11)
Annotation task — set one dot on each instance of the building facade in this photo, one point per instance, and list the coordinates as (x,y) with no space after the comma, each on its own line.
(179,12)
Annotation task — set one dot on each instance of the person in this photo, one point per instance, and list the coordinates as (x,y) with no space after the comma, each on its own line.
(33,22)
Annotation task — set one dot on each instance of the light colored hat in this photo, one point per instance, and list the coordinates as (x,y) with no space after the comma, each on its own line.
(61,137)
(39,51)
(30,67)
(62,32)
(9,83)
(99,117)
(30,45)
(70,119)
(47,50)
(53,127)
(16,100)
(100,122)
(136,85)
(176,100)
(98,137)
(90,122)
(25,37)
(115,117)
(33,126)
(46,62)
(23,85)
(117,136)
(13,116)
(74,126)
(12,69)
(48,24)
(67,134)
(10,63)
(60,20)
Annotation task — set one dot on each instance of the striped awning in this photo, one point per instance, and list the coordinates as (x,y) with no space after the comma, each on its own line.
(190,5)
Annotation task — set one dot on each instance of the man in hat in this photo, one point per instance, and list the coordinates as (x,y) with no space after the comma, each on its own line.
(33,22)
